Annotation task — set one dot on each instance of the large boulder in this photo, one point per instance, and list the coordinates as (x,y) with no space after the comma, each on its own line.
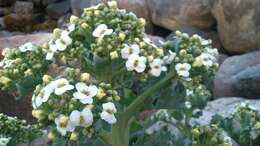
(15,41)
(6,2)
(23,7)
(239,76)
(56,10)
(238,24)
(223,106)
(174,14)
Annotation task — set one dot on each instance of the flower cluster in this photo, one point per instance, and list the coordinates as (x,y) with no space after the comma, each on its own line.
(210,135)
(14,131)
(72,106)
(19,63)
(246,129)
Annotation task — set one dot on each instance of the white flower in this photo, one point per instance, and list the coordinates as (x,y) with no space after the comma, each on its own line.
(83,118)
(6,63)
(51,50)
(188,104)
(71,27)
(205,42)
(109,110)
(136,62)
(130,50)
(169,58)
(157,67)
(42,97)
(63,124)
(101,31)
(183,69)
(64,41)
(4,141)
(204,59)
(61,86)
(85,93)
(149,41)
(27,47)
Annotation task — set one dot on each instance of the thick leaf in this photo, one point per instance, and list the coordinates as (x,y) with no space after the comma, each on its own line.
(172,97)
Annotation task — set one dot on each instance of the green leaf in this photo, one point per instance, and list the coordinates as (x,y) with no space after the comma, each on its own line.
(172,97)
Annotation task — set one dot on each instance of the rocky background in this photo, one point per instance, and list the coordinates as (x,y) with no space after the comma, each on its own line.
(233,25)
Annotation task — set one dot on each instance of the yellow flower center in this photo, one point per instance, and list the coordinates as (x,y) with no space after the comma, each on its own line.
(157,66)
(110,111)
(131,50)
(81,120)
(61,85)
(86,92)
(136,63)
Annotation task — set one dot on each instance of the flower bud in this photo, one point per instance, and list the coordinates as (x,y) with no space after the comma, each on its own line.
(38,114)
(18,60)
(142,22)
(90,106)
(257,126)
(28,72)
(45,46)
(112,4)
(84,25)
(74,19)
(159,52)
(150,58)
(97,13)
(5,51)
(142,45)
(117,98)
(109,99)
(113,55)
(122,36)
(46,79)
(84,77)
(226,144)
(52,136)
(57,32)
(74,136)
(137,40)
(101,93)
(178,33)
(196,132)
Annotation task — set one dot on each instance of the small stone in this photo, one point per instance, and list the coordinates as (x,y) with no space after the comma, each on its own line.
(23,7)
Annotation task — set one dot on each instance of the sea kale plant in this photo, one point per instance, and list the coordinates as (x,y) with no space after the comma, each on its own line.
(111,72)
(14,131)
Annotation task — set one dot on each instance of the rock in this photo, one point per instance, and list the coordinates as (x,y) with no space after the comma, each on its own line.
(6,2)
(56,10)
(241,69)
(174,14)
(4,11)
(247,82)
(15,41)
(238,24)
(2,24)
(22,22)
(223,106)
(21,108)
(156,39)
(44,2)
(8,34)
(206,34)
(23,7)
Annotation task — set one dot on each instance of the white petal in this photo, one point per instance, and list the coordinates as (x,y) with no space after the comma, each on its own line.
(62,131)
(109,32)
(110,106)
(75,117)
(87,100)
(111,119)
(88,117)
(38,101)
(60,45)
(93,90)
(81,86)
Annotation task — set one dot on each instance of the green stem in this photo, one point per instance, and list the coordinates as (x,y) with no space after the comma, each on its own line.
(139,101)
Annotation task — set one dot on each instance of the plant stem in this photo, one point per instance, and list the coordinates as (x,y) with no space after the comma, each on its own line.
(137,104)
